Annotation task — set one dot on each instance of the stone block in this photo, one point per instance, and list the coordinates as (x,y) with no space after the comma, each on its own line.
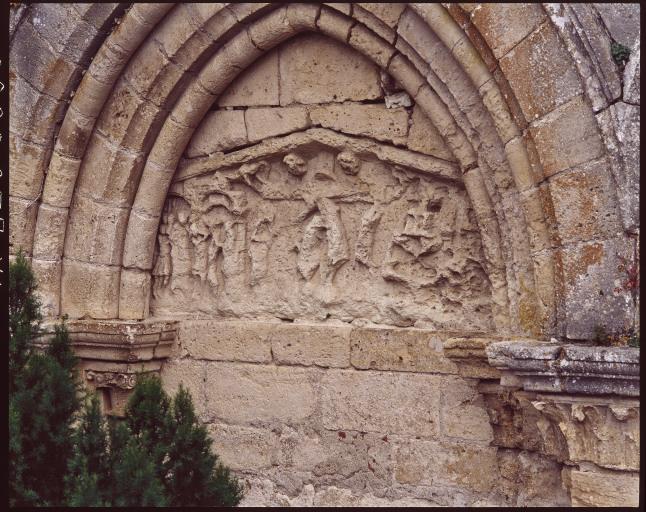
(591,274)
(89,290)
(370,401)
(334,24)
(33,114)
(251,394)
(584,202)
(48,275)
(22,223)
(191,375)
(433,463)
(410,350)
(370,45)
(463,414)
(46,70)
(49,235)
(505,25)
(218,131)
(316,69)
(219,340)
(541,72)
(134,294)
(27,165)
(567,136)
(622,21)
(632,77)
(263,123)
(95,232)
(326,346)
(424,137)
(110,174)
(128,120)
(390,125)
(604,489)
(256,86)
(388,13)
(140,239)
(74,134)
(244,448)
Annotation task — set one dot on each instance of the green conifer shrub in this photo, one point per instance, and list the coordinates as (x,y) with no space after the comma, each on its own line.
(64,452)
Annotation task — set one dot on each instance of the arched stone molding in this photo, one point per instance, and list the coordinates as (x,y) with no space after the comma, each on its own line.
(527,247)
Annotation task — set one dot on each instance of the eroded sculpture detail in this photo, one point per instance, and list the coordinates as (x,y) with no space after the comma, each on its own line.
(319,233)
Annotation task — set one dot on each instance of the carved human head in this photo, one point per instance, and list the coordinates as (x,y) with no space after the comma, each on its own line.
(295,164)
(349,162)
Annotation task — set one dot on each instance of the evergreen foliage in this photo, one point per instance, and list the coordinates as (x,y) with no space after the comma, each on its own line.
(62,451)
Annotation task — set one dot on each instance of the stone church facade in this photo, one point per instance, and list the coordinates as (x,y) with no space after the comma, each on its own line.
(374,241)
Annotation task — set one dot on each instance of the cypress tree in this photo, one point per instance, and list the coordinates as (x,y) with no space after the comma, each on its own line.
(195,478)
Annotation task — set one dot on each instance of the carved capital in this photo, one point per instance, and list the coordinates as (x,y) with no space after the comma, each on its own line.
(112,379)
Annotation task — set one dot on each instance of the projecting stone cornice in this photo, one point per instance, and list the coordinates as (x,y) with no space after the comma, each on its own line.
(572,369)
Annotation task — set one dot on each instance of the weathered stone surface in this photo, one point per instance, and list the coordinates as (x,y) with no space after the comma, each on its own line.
(89,290)
(505,25)
(49,237)
(430,463)
(566,137)
(48,275)
(632,77)
(622,21)
(245,448)
(424,137)
(257,86)
(604,489)
(220,130)
(191,375)
(28,164)
(269,122)
(315,69)
(22,222)
(373,120)
(134,294)
(219,340)
(250,394)
(408,350)
(371,402)
(542,51)
(311,345)
(584,203)
(463,414)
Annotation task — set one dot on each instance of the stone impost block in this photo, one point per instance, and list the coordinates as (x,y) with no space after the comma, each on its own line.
(219,131)
(263,123)
(411,350)
(249,393)
(256,86)
(567,136)
(316,69)
(134,294)
(49,235)
(217,340)
(89,290)
(371,401)
(376,121)
(326,346)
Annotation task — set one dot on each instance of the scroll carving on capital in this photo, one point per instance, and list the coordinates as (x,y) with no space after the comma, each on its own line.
(100,379)
(316,232)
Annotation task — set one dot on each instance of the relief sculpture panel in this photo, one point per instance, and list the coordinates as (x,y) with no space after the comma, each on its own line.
(316,232)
